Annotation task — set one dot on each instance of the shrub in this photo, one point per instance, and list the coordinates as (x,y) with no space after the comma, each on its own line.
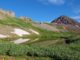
(58,52)
(4,48)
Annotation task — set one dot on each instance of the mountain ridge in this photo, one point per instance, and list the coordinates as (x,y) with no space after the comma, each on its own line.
(67,24)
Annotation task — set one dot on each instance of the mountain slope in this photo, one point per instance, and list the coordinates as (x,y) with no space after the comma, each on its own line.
(66,23)
(15,29)
(24,30)
(66,20)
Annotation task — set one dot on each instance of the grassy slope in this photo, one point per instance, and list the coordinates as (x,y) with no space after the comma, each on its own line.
(46,38)
(44,34)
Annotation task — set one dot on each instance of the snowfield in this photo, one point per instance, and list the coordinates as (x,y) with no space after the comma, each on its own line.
(3,36)
(34,31)
(20,32)
(21,40)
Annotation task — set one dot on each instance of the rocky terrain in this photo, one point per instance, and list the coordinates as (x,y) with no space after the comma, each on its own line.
(66,20)
(67,23)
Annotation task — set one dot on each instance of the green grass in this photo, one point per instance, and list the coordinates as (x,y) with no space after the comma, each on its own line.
(57,52)
(67,46)
(14,22)
(65,51)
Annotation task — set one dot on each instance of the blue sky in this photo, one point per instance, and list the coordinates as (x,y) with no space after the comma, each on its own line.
(43,10)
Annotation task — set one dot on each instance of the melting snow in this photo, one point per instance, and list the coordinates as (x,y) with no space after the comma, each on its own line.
(19,41)
(34,31)
(3,36)
(20,32)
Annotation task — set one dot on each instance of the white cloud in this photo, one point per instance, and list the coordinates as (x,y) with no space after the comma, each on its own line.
(54,2)
(76,17)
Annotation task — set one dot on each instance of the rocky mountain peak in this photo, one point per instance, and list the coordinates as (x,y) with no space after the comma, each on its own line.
(65,20)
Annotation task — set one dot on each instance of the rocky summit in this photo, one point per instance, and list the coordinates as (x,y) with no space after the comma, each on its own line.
(66,21)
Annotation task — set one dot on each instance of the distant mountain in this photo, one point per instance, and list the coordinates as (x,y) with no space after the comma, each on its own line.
(66,21)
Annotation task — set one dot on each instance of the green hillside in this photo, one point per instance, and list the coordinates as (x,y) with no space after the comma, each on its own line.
(46,42)
(12,22)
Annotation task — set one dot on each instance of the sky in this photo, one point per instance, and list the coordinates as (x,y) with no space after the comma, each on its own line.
(43,10)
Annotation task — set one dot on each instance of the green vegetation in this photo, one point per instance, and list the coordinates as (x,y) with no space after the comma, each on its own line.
(65,51)
(57,46)
(14,22)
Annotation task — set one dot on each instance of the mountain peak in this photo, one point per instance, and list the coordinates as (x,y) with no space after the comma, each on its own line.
(65,20)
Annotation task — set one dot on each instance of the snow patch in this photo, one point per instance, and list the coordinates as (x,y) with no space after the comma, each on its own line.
(20,32)
(19,41)
(34,31)
(3,36)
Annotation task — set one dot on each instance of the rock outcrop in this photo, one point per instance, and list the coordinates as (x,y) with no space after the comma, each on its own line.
(4,13)
(25,19)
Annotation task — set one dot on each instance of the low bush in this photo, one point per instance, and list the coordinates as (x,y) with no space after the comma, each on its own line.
(57,52)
